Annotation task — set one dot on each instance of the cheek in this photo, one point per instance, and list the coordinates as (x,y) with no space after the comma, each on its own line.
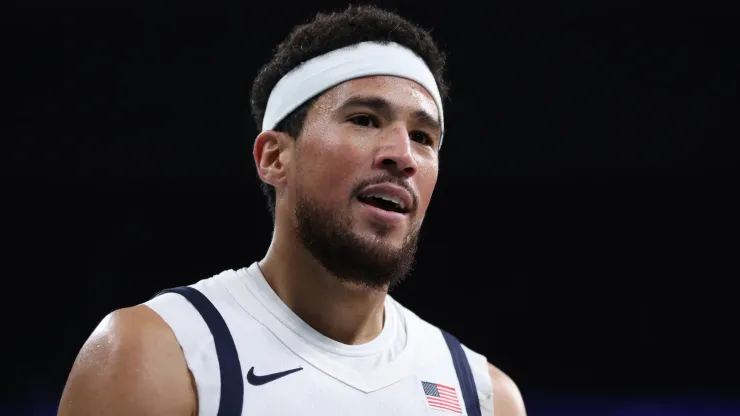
(330,168)
(426,182)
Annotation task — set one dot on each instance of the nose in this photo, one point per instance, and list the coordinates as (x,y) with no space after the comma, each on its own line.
(396,153)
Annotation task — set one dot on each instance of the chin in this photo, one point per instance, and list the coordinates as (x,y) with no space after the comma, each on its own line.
(384,240)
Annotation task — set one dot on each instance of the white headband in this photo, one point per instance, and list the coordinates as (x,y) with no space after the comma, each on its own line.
(360,60)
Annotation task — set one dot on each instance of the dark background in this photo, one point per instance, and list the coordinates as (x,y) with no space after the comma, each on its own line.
(584,233)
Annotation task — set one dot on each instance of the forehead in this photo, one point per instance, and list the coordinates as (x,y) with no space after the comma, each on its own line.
(400,92)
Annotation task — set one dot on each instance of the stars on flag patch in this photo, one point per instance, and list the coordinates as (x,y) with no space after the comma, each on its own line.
(441,397)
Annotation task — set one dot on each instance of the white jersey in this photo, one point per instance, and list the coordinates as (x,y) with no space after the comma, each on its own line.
(249,354)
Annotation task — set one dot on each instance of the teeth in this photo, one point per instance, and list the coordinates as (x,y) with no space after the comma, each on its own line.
(388,198)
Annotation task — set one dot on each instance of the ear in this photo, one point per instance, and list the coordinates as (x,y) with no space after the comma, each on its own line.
(271,156)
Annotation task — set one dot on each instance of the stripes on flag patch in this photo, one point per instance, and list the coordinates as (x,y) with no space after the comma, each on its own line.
(441,397)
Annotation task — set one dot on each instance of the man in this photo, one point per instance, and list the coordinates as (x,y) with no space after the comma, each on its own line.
(351,113)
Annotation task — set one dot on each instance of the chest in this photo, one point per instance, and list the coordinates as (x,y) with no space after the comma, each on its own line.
(284,373)
(306,390)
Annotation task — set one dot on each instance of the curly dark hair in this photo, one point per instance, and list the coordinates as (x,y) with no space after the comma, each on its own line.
(328,32)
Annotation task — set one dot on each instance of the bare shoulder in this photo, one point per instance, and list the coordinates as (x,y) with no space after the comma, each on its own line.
(131,364)
(507,399)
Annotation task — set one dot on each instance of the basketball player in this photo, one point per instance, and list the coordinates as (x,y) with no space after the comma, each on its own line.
(350,108)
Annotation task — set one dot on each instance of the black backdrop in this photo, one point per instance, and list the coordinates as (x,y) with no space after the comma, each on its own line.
(584,233)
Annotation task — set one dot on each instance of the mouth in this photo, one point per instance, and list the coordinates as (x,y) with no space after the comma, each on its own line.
(385,202)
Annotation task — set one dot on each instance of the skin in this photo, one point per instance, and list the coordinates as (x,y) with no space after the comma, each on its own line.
(132,363)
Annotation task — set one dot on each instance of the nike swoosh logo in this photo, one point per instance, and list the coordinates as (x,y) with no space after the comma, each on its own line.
(256,380)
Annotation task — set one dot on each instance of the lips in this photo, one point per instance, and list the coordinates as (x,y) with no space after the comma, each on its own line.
(388,197)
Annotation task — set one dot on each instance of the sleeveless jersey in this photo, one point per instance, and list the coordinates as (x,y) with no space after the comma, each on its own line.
(248,356)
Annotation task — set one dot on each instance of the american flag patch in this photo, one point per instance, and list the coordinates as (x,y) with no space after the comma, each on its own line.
(441,397)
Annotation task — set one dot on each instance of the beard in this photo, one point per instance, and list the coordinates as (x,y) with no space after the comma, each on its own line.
(369,262)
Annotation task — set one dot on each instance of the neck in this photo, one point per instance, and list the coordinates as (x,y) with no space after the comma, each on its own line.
(342,311)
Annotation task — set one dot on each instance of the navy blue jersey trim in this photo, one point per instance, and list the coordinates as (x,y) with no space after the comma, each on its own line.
(232,384)
(464,375)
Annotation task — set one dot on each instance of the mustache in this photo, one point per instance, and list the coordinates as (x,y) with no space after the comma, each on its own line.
(387,178)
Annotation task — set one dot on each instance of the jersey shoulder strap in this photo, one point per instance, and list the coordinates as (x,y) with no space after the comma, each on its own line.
(464,374)
(232,385)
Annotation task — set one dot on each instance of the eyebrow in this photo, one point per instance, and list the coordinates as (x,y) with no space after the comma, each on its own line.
(382,105)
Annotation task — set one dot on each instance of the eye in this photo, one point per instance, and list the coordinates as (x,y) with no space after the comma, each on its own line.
(364,120)
(421,137)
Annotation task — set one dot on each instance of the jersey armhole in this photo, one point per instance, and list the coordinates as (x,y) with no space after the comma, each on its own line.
(483,383)
(197,345)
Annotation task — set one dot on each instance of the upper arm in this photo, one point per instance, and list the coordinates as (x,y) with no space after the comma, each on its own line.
(131,364)
(507,400)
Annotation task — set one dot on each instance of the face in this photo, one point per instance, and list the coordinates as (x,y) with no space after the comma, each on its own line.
(361,177)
